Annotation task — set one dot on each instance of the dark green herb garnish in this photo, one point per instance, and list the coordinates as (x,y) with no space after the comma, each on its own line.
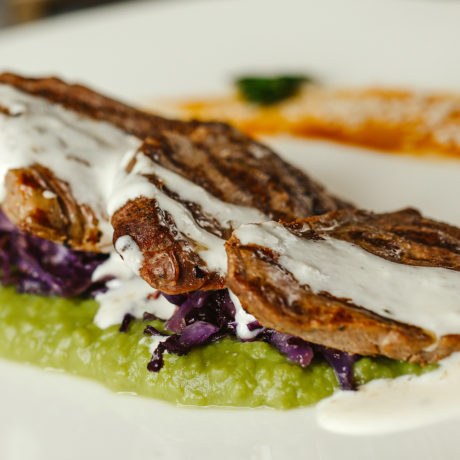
(270,90)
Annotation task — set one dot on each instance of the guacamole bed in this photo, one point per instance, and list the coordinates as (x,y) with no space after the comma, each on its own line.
(59,333)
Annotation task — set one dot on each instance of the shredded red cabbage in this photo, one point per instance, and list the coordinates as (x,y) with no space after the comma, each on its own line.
(342,363)
(204,317)
(296,349)
(127,320)
(39,266)
(176,299)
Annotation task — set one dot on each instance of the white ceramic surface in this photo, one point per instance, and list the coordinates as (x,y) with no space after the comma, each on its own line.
(150,50)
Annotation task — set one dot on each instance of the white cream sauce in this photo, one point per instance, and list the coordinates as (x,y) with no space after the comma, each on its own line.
(79,150)
(243,319)
(210,247)
(389,405)
(126,293)
(152,342)
(130,252)
(427,297)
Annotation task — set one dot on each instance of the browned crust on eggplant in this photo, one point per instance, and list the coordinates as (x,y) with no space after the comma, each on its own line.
(169,259)
(87,102)
(58,218)
(278,301)
(233,168)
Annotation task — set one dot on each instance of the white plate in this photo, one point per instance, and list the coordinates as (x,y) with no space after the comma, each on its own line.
(148,50)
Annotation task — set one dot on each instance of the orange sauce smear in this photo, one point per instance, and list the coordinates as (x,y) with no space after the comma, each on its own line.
(394,121)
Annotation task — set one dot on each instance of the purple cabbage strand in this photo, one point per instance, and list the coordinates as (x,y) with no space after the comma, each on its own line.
(342,364)
(37,266)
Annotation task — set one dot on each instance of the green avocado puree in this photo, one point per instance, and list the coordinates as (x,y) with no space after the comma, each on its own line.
(59,333)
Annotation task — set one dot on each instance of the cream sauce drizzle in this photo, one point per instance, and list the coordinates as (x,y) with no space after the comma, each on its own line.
(211,247)
(84,152)
(126,293)
(389,405)
(428,297)
(243,319)
(130,252)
